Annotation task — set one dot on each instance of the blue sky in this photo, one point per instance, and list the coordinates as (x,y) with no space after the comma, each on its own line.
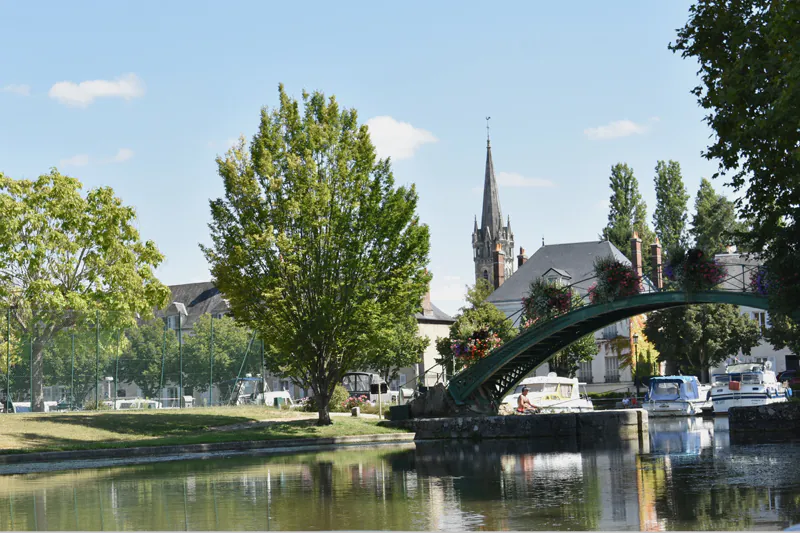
(572,88)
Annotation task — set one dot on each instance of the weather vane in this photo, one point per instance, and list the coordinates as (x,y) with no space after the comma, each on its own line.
(487,127)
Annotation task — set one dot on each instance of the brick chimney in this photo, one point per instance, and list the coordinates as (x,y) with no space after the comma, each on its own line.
(427,310)
(521,258)
(636,254)
(499,266)
(657,276)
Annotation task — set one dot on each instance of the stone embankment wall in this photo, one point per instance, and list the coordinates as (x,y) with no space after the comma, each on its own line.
(775,418)
(602,426)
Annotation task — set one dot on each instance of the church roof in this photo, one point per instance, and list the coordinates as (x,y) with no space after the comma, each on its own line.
(491,216)
(576,258)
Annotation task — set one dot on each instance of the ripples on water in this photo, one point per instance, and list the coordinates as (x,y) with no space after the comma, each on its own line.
(691,478)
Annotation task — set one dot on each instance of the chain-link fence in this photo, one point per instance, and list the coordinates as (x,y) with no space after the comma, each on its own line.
(66,360)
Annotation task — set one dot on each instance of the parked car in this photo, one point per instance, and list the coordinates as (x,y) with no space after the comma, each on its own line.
(790,376)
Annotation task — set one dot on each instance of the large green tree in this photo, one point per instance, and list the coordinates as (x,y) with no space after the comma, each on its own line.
(627,210)
(477,315)
(68,259)
(150,354)
(702,336)
(749,84)
(669,218)
(714,225)
(313,244)
(401,346)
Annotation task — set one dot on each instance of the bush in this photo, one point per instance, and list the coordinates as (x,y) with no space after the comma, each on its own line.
(340,395)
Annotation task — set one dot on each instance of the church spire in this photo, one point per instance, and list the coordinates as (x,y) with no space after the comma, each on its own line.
(491,217)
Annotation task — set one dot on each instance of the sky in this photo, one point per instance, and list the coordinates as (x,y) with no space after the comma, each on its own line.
(143,96)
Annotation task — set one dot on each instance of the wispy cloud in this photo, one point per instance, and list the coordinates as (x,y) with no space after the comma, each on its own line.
(512,179)
(617,129)
(122,155)
(80,160)
(395,139)
(22,90)
(84,93)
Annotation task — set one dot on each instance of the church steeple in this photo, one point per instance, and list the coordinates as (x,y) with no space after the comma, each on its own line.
(492,242)
(492,217)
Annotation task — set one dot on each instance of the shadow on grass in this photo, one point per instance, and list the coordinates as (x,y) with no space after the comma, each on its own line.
(146,424)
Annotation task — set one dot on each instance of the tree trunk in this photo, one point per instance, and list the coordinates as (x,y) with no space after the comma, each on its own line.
(37,377)
(324,410)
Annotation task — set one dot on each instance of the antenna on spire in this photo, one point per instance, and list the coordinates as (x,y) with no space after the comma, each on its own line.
(487,129)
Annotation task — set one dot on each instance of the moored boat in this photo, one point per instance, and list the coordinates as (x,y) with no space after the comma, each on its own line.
(552,394)
(747,384)
(674,396)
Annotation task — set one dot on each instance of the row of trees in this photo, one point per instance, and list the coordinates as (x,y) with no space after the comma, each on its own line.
(313,245)
(689,339)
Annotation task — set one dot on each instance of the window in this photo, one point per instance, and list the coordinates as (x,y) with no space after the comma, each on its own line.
(402,380)
(585,372)
(121,393)
(172,321)
(217,316)
(612,370)
(610,332)
(565,391)
(486,275)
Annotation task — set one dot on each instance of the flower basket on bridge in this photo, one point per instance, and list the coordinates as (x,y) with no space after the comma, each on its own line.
(547,299)
(615,280)
(758,281)
(476,346)
(693,271)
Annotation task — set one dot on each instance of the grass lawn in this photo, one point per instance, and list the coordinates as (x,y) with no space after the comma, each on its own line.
(93,430)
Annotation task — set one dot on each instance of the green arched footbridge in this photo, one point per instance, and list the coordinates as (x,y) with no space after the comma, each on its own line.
(491,378)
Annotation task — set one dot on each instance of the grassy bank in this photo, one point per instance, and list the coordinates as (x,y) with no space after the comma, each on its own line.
(20,433)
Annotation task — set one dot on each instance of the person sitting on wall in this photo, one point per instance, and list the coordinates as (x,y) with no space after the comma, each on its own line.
(626,402)
(524,404)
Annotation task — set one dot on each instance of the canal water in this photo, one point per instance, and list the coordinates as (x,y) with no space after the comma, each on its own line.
(687,477)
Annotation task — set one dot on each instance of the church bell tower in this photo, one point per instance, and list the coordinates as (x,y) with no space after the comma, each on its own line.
(492,242)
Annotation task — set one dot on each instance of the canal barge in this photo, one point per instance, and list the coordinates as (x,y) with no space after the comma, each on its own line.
(553,394)
(745,385)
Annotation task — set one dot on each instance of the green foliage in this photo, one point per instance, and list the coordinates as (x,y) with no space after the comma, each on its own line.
(61,250)
(339,397)
(783,333)
(669,218)
(150,348)
(627,211)
(747,51)
(694,270)
(698,337)
(567,361)
(400,347)
(714,225)
(313,244)
(478,316)
(233,344)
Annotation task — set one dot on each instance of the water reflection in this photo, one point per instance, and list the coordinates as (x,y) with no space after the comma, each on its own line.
(692,478)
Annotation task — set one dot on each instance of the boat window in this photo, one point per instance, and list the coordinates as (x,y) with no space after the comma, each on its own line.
(566,391)
(533,387)
(550,387)
(721,379)
(665,390)
(348,383)
(751,379)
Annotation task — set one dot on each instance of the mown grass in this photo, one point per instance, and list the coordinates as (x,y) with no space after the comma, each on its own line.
(25,433)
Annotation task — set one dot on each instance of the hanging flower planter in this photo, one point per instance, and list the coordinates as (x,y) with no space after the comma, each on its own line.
(476,346)
(615,280)
(693,271)
(546,299)
(758,281)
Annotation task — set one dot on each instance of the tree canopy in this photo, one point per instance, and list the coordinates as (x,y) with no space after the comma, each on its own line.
(714,225)
(627,210)
(313,244)
(669,218)
(67,260)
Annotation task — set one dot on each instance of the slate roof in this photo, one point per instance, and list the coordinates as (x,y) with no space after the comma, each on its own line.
(437,317)
(491,217)
(194,300)
(574,259)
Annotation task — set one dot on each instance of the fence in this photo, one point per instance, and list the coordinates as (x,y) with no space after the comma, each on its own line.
(67,360)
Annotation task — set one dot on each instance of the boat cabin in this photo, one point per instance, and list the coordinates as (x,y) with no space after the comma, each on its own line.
(670,388)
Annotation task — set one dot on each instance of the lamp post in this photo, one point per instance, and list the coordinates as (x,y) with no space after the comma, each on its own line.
(636,363)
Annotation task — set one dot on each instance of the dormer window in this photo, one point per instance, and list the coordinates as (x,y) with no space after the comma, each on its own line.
(172,321)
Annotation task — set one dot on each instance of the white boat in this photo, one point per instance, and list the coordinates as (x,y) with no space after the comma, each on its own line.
(745,385)
(552,394)
(675,396)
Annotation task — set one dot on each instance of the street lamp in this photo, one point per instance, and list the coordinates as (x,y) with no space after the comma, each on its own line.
(636,363)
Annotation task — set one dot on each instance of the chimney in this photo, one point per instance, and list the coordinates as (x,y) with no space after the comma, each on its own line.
(499,266)
(521,258)
(636,254)
(427,310)
(655,264)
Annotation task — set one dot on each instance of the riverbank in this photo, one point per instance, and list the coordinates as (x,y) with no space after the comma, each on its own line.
(101,430)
